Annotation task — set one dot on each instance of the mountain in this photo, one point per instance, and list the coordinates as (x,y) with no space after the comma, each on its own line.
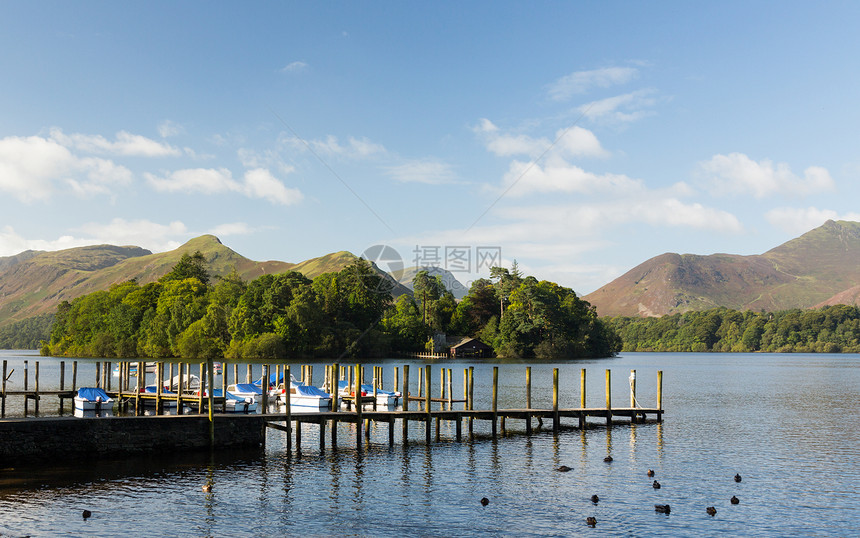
(821,266)
(34,282)
(457,288)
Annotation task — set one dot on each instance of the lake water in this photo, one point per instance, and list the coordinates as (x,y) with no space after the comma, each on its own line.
(787,423)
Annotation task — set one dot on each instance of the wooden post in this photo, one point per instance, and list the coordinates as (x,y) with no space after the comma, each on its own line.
(450,389)
(200,389)
(405,433)
(582,399)
(26,384)
(289,414)
(98,374)
(421,382)
(159,374)
(138,411)
(471,402)
(396,379)
(180,386)
(224,380)
(210,384)
(660,395)
(335,372)
(528,399)
(3,400)
(75,375)
(375,378)
(62,383)
(442,384)
(608,398)
(36,405)
(427,386)
(264,386)
(358,405)
(495,398)
(108,375)
(249,375)
(555,424)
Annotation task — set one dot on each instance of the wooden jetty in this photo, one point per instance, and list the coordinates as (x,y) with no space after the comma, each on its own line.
(361,409)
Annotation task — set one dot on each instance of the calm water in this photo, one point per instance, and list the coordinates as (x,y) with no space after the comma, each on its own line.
(787,423)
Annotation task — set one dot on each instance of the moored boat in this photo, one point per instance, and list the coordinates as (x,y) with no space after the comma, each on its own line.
(386,398)
(304,396)
(93,399)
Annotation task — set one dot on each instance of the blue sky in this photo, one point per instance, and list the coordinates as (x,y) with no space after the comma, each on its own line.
(578,138)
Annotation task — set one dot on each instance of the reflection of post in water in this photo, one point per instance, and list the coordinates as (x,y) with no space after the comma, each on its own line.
(660,439)
(609,441)
(632,435)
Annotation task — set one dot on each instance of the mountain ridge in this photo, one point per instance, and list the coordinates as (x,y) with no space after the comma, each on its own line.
(804,272)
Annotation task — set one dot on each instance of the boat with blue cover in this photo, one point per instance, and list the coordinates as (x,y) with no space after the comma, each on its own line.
(93,399)
(387,398)
(304,396)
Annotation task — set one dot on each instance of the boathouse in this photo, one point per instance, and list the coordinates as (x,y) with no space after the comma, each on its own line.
(471,347)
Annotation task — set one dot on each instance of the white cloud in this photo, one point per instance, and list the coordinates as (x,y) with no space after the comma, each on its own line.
(168,128)
(32,167)
(294,67)
(330,146)
(572,141)
(256,183)
(625,108)
(796,221)
(737,174)
(582,81)
(559,176)
(425,171)
(126,144)
(152,236)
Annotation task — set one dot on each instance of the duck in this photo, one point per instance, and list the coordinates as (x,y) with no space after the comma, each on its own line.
(87,514)
(485,501)
(206,488)
(591,521)
(656,485)
(711,511)
(662,508)
(607,459)
(738,478)
(595,499)
(735,500)
(564,469)
(650,472)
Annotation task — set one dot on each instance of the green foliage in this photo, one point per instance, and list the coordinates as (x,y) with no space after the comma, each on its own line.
(28,333)
(831,329)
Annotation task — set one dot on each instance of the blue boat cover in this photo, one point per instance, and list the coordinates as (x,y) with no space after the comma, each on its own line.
(341,385)
(310,390)
(274,380)
(248,387)
(93,394)
(230,396)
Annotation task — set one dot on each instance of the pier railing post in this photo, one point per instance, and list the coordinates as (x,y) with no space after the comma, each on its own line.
(660,395)
(528,399)
(288,411)
(36,405)
(495,398)
(471,402)
(358,404)
(3,399)
(210,385)
(608,398)
(427,386)
(633,416)
(555,424)
(405,391)
(582,399)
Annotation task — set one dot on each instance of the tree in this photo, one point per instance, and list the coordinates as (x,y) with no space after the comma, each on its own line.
(189,266)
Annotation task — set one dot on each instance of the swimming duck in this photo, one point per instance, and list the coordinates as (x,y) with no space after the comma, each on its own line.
(87,514)
(650,472)
(595,499)
(735,500)
(591,521)
(656,485)
(662,508)
(564,469)
(737,478)
(711,511)
(607,459)
(485,501)
(206,488)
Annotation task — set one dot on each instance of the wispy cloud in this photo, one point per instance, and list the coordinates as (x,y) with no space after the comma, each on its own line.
(581,82)
(294,67)
(169,128)
(331,146)
(797,220)
(572,141)
(737,174)
(126,144)
(625,108)
(231,229)
(256,183)
(422,171)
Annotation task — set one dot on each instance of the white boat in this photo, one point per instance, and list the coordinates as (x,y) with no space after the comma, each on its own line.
(304,396)
(93,400)
(132,369)
(234,403)
(168,401)
(190,382)
(246,390)
(385,398)
(275,381)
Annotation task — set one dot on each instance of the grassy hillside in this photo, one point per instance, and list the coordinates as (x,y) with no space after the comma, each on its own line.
(800,273)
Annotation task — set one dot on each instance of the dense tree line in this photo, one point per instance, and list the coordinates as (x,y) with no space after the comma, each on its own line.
(26,334)
(831,329)
(350,312)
